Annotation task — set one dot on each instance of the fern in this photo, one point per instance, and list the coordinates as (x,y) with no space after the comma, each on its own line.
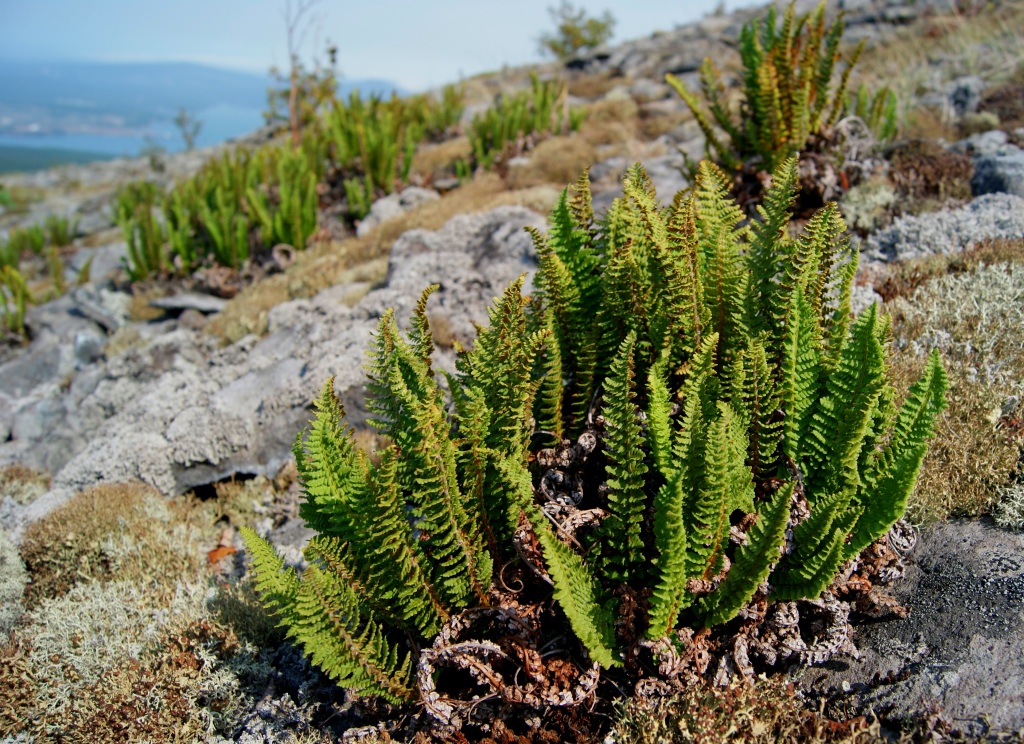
(788,93)
(753,561)
(715,363)
(623,546)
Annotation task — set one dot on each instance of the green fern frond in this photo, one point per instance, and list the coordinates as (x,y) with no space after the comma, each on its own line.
(753,561)
(670,572)
(841,416)
(901,460)
(800,370)
(351,649)
(276,585)
(576,589)
(819,550)
(760,400)
(622,556)
(419,335)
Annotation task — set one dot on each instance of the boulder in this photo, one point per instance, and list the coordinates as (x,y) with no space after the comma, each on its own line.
(959,648)
(999,171)
(393,205)
(948,231)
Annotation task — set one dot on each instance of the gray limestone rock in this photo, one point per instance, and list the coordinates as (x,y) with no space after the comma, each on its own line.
(204,303)
(395,204)
(999,171)
(948,231)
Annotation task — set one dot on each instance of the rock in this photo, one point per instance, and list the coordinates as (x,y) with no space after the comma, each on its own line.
(1001,171)
(106,261)
(108,309)
(984,143)
(6,417)
(44,363)
(88,348)
(203,303)
(948,231)
(965,94)
(960,646)
(395,204)
(62,319)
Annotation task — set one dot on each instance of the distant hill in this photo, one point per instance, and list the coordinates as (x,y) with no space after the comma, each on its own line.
(117,108)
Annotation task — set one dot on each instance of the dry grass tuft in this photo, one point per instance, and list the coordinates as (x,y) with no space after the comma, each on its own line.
(22,484)
(767,711)
(121,532)
(594,85)
(1006,102)
(556,160)
(436,161)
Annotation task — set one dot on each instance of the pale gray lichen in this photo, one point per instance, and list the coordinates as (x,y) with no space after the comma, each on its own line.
(12,585)
(1009,511)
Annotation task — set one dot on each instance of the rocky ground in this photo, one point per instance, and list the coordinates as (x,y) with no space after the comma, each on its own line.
(200,398)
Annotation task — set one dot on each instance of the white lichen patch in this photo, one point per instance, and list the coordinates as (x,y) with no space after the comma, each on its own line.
(1009,511)
(12,585)
(976,319)
(94,628)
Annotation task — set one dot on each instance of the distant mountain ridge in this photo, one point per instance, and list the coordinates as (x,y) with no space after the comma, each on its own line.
(128,88)
(114,107)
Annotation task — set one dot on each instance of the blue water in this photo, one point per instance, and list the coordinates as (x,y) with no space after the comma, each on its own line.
(220,123)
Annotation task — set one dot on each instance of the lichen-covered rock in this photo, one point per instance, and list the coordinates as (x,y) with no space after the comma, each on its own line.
(959,648)
(948,231)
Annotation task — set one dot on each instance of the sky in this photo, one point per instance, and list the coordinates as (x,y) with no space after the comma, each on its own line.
(417,44)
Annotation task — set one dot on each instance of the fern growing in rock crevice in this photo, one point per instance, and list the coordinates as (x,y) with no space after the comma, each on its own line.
(729,438)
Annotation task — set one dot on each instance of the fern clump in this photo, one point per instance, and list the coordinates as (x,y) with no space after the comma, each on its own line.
(789,92)
(723,442)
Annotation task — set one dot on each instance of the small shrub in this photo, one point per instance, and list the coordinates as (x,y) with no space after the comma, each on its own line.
(108,533)
(514,121)
(60,231)
(22,484)
(575,31)
(697,378)
(927,176)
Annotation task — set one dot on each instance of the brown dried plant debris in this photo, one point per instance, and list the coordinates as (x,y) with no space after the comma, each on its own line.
(1006,101)
(927,176)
